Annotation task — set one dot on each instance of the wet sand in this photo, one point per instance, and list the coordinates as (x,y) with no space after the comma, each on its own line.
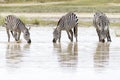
(86,60)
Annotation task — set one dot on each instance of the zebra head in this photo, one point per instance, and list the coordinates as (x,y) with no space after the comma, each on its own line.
(26,35)
(56,35)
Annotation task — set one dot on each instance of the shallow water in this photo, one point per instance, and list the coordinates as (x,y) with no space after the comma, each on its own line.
(87,59)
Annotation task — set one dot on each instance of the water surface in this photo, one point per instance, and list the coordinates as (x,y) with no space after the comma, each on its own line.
(86,60)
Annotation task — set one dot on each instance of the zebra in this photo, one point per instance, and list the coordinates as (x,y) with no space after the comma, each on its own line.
(101,23)
(69,23)
(16,26)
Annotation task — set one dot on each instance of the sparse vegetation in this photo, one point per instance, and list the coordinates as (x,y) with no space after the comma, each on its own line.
(21,1)
(78,6)
(72,5)
(33,21)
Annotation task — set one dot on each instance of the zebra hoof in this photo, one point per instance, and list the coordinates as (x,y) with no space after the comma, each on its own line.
(18,41)
(102,40)
(109,41)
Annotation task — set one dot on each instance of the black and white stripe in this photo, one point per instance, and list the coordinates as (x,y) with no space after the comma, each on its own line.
(101,23)
(13,22)
(69,20)
(16,26)
(100,19)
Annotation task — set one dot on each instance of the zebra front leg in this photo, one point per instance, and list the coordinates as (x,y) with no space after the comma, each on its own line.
(68,35)
(15,36)
(59,36)
(59,40)
(100,40)
(108,36)
(19,35)
(71,35)
(8,35)
(11,32)
(98,32)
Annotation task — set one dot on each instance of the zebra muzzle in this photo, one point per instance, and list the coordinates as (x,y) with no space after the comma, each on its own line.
(54,41)
(29,41)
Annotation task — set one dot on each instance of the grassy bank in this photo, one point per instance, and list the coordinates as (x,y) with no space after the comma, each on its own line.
(33,21)
(78,6)
(23,1)
(78,1)
(59,8)
(66,6)
(37,21)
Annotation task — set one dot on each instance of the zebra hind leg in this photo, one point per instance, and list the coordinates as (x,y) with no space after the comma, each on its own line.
(76,32)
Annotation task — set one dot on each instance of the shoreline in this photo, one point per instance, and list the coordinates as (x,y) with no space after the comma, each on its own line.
(85,19)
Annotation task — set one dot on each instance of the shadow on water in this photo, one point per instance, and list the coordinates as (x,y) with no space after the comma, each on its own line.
(101,56)
(67,56)
(14,54)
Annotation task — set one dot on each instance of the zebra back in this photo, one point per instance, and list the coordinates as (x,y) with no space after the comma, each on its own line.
(67,21)
(13,22)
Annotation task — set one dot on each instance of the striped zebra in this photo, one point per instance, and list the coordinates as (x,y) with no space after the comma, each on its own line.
(16,26)
(68,22)
(101,23)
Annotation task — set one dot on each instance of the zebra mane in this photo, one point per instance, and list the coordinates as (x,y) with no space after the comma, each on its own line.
(59,21)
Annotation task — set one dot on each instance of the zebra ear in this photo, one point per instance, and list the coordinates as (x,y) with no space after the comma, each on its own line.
(54,28)
(4,24)
(28,27)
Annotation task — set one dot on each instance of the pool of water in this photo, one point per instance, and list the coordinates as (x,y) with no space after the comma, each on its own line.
(43,60)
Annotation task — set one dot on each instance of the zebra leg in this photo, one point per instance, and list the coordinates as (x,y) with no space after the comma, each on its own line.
(59,36)
(108,36)
(98,32)
(15,36)
(19,33)
(8,35)
(71,35)
(102,40)
(11,32)
(76,32)
(68,35)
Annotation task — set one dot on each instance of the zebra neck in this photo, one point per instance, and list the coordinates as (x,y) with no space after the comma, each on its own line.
(59,29)
(23,28)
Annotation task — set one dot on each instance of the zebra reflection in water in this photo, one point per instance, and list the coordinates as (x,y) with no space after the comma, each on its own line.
(67,55)
(101,56)
(14,53)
